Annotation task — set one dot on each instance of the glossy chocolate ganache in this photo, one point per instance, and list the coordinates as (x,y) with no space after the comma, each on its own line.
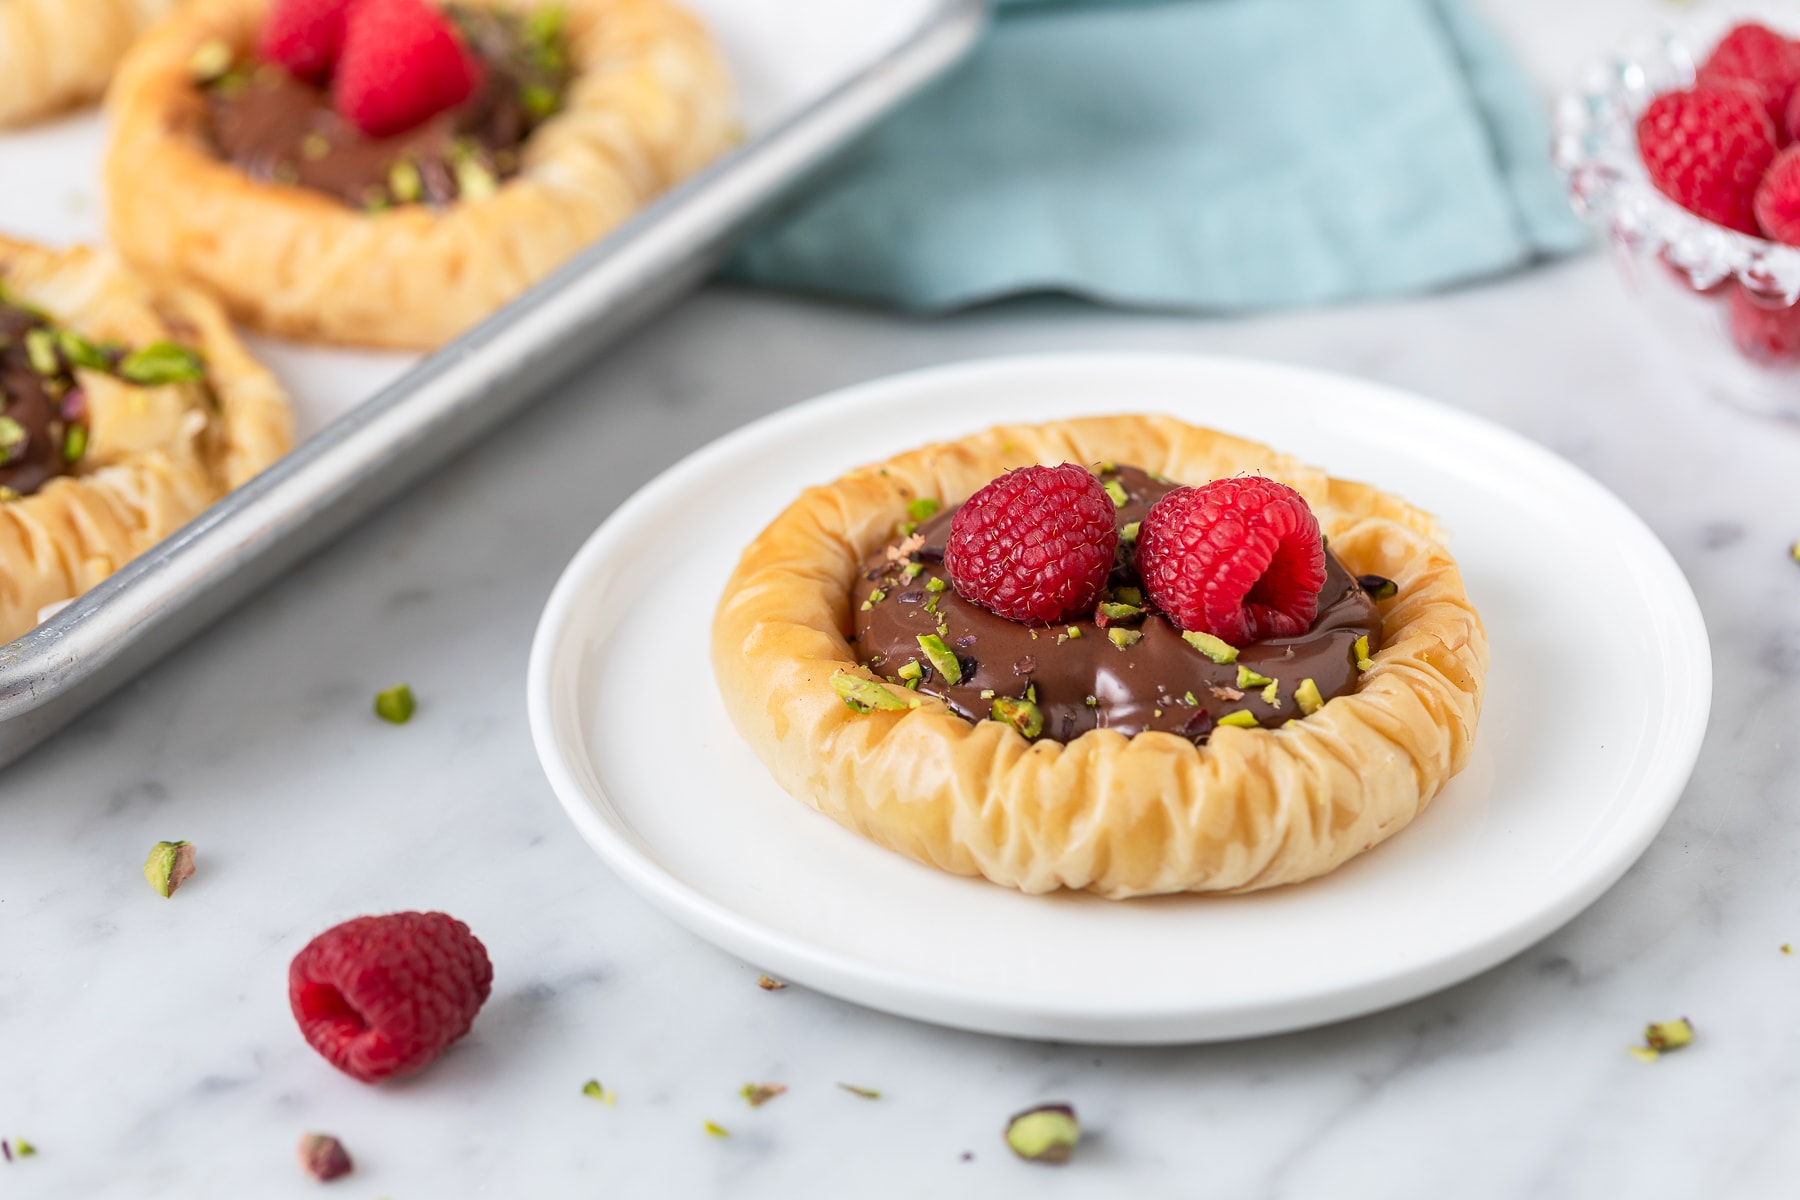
(1083,676)
(279,129)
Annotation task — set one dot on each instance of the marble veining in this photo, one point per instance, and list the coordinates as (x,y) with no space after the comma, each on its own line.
(147,1046)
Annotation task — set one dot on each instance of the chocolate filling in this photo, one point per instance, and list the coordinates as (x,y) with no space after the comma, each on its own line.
(276,128)
(1088,682)
(42,434)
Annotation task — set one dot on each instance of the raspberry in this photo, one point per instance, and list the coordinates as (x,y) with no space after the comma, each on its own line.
(1765,329)
(1778,198)
(381,996)
(1756,55)
(305,36)
(1706,149)
(1240,559)
(1035,545)
(402,64)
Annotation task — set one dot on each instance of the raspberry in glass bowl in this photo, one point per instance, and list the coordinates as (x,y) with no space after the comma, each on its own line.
(1680,148)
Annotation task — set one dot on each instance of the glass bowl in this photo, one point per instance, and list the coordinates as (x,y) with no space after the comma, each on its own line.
(1723,302)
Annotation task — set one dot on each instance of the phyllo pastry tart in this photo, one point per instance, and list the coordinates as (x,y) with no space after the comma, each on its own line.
(389,172)
(1120,654)
(59,53)
(125,409)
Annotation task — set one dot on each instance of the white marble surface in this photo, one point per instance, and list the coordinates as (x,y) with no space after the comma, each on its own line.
(146,1047)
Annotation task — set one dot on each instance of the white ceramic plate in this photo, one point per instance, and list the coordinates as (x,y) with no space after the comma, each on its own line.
(1595,709)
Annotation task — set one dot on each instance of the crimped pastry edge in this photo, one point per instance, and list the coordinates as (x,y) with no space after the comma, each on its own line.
(649,105)
(1117,816)
(74,532)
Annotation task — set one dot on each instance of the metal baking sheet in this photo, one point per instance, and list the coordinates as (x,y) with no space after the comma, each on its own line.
(811,74)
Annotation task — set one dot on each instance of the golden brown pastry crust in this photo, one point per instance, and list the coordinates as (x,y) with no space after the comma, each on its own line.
(56,53)
(1114,815)
(649,105)
(156,456)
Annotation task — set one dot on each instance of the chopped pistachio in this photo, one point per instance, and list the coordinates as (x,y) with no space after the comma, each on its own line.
(161,363)
(935,584)
(1112,610)
(1092,701)
(987,693)
(865,695)
(1193,700)
(397,704)
(1243,718)
(1794,551)
(911,571)
(759,1094)
(1664,1036)
(1124,637)
(1046,1134)
(474,181)
(12,436)
(1271,695)
(594,1091)
(1130,532)
(1644,1053)
(1116,490)
(714,1129)
(1129,595)
(875,597)
(539,100)
(923,509)
(1248,679)
(80,352)
(210,62)
(769,985)
(405,181)
(905,528)
(1156,712)
(1308,698)
(40,348)
(1074,632)
(1217,649)
(943,659)
(865,1093)
(23,1148)
(1361,651)
(1379,587)
(323,1157)
(314,146)
(911,671)
(1022,715)
(1031,692)
(170,865)
(1159,477)
(1786,948)
(75,443)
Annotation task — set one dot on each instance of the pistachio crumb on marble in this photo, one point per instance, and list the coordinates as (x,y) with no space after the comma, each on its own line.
(1048,1133)
(169,866)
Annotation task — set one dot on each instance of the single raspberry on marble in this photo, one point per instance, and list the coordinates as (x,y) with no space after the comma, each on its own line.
(1778,198)
(402,64)
(1239,558)
(1035,545)
(1706,148)
(383,996)
(1755,55)
(305,36)
(1765,329)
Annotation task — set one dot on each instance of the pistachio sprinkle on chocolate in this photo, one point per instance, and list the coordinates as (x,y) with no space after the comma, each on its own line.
(1243,718)
(943,660)
(1379,587)
(865,695)
(1022,715)
(1248,680)
(1215,648)
(923,509)
(1308,698)
(1361,653)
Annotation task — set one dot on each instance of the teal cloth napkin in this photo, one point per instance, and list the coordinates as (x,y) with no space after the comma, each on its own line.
(1190,154)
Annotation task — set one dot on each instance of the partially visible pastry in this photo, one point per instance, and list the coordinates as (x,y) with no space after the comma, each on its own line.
(125,410)
(389,172)
(1119,654)
(58,53)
